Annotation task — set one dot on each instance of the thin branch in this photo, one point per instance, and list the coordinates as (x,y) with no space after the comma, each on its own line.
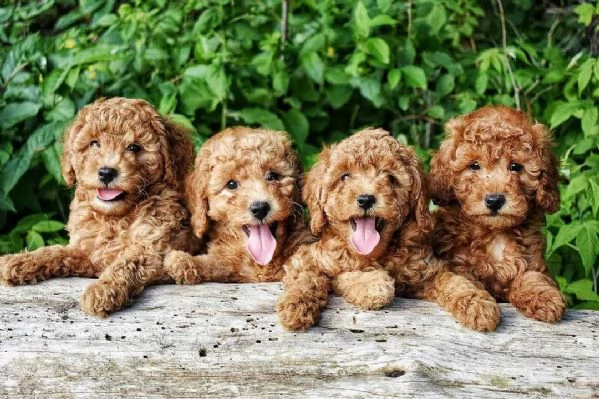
(505,54)
(409,19)
(284,19)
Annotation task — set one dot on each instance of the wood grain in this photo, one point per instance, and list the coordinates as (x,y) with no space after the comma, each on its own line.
(223,340)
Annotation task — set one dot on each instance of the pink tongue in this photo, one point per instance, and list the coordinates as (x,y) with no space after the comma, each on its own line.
(261,243)
(365,238)
(108,194)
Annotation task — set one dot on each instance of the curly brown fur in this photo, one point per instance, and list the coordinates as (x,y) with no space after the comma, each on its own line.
(244,198)
(372,248)
(128,163)
(498,153)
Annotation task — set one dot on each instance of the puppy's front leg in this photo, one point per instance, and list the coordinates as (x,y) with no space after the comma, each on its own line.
(305,294)
(370,290)
(124,279)
(187,269)
(535,295)
(45,263)
(473,307)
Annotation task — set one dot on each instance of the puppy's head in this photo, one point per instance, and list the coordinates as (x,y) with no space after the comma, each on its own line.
(246,180)
(497,164)
(118,149)
(364,189)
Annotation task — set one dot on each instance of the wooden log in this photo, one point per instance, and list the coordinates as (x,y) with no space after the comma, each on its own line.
(223,340)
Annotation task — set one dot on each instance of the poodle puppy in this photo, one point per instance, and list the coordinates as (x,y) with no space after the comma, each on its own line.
(244,198)
(128,163)
(495,177)
(369,207)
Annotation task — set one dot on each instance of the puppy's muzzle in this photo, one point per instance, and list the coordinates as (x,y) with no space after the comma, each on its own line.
(260,209)
(494,201)
(106,174)
(366,201)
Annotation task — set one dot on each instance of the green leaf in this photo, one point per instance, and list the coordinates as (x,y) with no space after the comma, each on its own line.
(13,171)
(482,81)
(587,243)
(194,94)
(415,76)
(563,112)
(313,44)
(34,240)
(107,20)
(48,226)
(436,18)
(583,289)
(63,111)
(262,117)
(313,66)
(336,76)
(51,157)
(297,125)
(217,81)
(594,197)
(436,111)
(14,113)
(378,48)
(585,13)
(566,234)
(361,20)
(98,54)
(589,121)
(26,223)
(382,19)
(370,88)
(6,204)
(393,78)
(445,85)
(339,95)
(584,75)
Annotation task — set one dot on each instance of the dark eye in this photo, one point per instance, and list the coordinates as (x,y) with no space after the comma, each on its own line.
(515,167)
(345,176)
(94,143)
(272,176)
(232,184)
(474,166)
(133,148)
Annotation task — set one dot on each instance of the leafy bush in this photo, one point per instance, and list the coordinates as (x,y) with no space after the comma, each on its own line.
(321,71)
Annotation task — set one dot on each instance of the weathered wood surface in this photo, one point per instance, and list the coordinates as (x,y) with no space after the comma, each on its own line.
(216,340)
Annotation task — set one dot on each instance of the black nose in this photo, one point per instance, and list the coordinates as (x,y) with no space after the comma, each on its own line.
(365,201)
(494,201)
(260,209)
(107,175)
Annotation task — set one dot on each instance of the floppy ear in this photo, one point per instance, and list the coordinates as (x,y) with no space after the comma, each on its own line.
(420,197)
(178,156)
(547,191)
(66,164)
(439,181)
(314,194)
(196,194)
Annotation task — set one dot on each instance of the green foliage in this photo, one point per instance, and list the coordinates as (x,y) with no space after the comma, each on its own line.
(340,65)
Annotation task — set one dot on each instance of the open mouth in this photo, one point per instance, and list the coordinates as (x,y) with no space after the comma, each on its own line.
(272,227)
(110,194)
(261,242)
(365,236)
(379,223)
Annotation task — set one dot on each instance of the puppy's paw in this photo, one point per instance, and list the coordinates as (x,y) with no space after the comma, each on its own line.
(18,269)
(478,311)
(546,305)
(102,298)
(180,267)
(370,290)
(297,313)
